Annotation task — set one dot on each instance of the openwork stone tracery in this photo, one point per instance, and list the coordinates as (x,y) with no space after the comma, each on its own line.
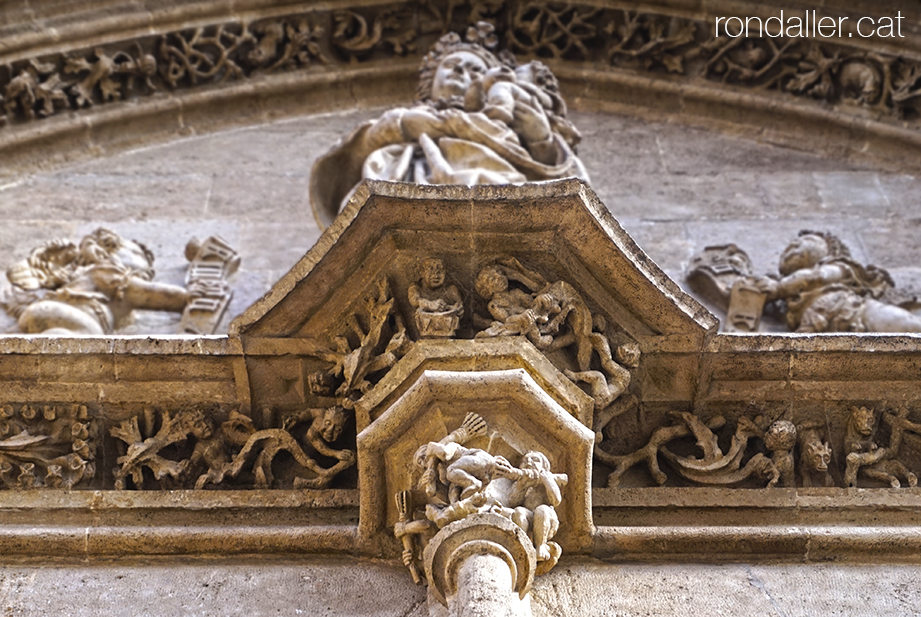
(93,287)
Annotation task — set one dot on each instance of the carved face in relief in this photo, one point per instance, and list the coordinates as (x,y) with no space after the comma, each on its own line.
(536,461)
(201,427)
(490,281)
(105,246)
(456,73)
(331,423)
(862,420)
(817,456)
(804,252)
(433,273)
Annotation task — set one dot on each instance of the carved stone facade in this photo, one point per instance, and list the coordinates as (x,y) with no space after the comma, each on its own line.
(492,390)
(840,71)
(466,455)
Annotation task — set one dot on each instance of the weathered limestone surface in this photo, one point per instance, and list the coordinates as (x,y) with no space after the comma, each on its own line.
(675,189)
(339,587)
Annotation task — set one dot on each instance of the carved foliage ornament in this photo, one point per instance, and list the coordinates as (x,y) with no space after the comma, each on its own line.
(194,449)
(832,72)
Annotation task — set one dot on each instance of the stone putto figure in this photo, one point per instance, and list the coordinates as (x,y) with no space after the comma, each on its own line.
(825,290)
(456,481)
(476,120)
(820,288)
(553,315)
(88,288)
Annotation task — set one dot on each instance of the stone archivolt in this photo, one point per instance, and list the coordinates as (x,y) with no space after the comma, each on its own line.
(838,80)
(838,71)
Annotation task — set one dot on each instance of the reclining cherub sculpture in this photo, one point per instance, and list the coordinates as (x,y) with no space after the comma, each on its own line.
(90,288)
(820,288)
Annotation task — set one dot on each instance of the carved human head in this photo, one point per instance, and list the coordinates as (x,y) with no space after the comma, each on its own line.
(490,281)
(332,422)
(433,273)
(809,249)
(106,246)
(420,456)
(200,426)
(535,460)
(817,455)
(450,68)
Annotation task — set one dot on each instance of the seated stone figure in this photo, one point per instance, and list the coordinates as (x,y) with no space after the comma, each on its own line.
(445,139)
(438,306)
(825,290)
(90,287)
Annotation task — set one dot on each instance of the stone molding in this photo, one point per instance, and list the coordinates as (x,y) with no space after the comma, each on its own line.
(259,63)
(793,526)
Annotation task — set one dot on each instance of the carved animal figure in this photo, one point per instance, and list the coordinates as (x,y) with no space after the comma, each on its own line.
(815,455)
(866,458)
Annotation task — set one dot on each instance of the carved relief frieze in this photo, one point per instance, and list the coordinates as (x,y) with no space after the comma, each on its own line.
(46,446)
(689,449)
(853,79)
(196,449)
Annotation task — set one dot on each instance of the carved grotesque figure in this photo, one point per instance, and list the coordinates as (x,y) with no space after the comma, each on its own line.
(438,306)
(458,132)
(815,456)
(865,457)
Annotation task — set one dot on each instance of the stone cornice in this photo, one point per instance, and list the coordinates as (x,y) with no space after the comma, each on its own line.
(782,525)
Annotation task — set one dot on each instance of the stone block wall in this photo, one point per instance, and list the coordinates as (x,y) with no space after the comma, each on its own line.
(675,190)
